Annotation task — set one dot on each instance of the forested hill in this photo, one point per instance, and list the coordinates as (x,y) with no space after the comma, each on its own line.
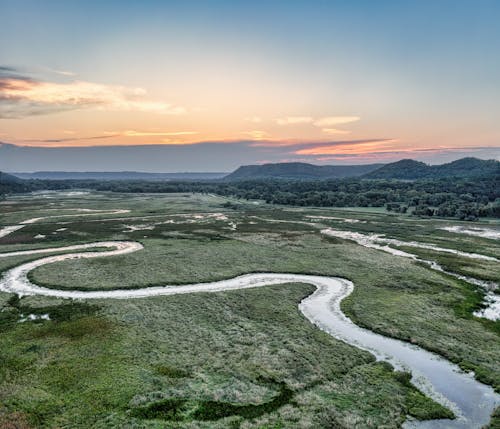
(300,170)
(8,178)
(12,184)
(411,170)
(406,169)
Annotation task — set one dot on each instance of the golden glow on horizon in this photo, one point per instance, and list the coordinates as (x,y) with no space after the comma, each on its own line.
(358,148)
(240,76)
(80,114)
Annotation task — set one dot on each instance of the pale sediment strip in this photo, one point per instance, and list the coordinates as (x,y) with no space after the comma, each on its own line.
(374,241)
(493,234)
(6,230)
(378,241)
(121,247)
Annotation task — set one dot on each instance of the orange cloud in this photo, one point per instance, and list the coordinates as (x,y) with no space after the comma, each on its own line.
(133,133)
(23,97)
(357,147)
(303,144)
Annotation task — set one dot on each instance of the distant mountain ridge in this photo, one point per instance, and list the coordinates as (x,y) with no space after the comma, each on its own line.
(300,170)
(117,175)
(405,169)
(411,170)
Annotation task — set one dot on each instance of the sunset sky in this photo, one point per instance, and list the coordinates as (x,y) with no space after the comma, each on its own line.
(327,82)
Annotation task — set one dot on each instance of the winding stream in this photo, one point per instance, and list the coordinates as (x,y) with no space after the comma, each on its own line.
(491,299)
(471,401)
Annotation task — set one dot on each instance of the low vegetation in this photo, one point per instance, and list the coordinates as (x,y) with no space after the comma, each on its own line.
(240,359)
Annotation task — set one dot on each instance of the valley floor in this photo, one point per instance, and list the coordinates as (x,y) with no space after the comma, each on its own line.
(243,358)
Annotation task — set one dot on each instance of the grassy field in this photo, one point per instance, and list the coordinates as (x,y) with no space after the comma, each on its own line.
(244,359)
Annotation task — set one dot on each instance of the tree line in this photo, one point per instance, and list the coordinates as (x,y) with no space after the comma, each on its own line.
(461,198)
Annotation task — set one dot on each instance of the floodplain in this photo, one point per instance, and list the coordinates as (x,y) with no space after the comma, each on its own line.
(242,358)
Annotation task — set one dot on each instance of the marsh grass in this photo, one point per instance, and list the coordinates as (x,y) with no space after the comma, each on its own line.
(187,352)
(495,420)
(184,360)
(389,296)
(184,409)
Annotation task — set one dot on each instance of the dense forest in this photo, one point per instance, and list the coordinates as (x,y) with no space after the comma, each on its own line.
(462,198)
(405,169)
(409,169)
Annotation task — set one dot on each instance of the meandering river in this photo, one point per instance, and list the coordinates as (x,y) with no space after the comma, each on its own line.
(471,401)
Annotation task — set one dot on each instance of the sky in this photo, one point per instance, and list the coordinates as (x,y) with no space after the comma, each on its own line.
(211,85)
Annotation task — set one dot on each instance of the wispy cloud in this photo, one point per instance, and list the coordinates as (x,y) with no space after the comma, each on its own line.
(88,140)
(323,122)
(134,133)
(62,72)
(68,139)
(22,96)
(293,120)
(8,71)
(332,121)
(328,124)
(358,146)
(335,131)
(299,144)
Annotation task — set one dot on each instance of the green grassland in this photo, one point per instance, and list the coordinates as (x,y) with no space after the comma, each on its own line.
(241,359)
